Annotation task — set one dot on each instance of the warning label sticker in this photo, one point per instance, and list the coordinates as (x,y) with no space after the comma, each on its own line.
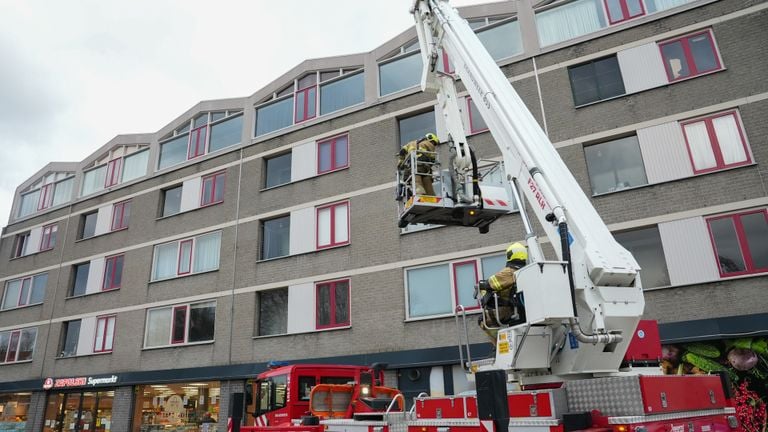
(503,347)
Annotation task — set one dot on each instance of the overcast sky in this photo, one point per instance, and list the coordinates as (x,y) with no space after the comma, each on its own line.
(75,74)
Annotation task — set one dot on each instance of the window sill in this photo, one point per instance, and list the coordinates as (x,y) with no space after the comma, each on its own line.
(16,362)
(30,254)
(679,80)
(442,316)
(323,330)
(181,276)
(100,235)
(194,160)
(304,179)
(189,211)
(304,253)
(91,294)
(82,355)
(721,279)
(180,345)
(21,307)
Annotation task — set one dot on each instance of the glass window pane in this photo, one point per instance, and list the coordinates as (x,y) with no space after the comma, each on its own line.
(323,312)
(207,252)
(63,191)
(29,203)
(340,152)
(429,291)
(226,133)
(703,52)
(727,245)
(5,339)
(201,120)
(275,116)
(502,41)
(700,146)
(324,226)
(278,170)
(202,322)
(342,93)
(173,152)
(342,302)
(492,264)
(80,278)
(275,237)
(27,344)
(311,102)
(729,139)
(400,74)
(660,5)
(71,336)
(179,329)
(324,156)
(218,116)
(416,127)
(24,296)
(465,275)
(615,165)
(110,333)
(158,327)
(341,223)
(569,21)
(608,77)
(185,257)
(756,231)
(300,99)
(165,260)
(583,84)
(674,60)
(273,312)
(172,201)
(634,7)
(135,165)
(325,76)
(477,123)
(614,10)
(101,324)
(93,180)
(38,288)
(645,245)
(11,296)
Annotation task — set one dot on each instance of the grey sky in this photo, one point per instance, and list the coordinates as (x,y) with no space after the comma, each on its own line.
(75,74)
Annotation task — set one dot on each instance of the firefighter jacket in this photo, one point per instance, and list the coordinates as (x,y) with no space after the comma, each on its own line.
(424,153)
(503,280)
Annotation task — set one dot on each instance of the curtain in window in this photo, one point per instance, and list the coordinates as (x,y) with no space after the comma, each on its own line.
(11,297)
(341,224)
(29,203)
(429,291)
(63,191)
(660,5)
(502,41)
(166,260)
(158,327)
(207,249)
(569,21)
(38,288)
(342,93)
(324,226)
(701,148)
(93,180)
(274,116)
(226,133)
(729,138)
(135,165)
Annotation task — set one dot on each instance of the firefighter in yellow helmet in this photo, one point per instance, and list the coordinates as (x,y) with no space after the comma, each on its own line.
(425,156)
(504,285)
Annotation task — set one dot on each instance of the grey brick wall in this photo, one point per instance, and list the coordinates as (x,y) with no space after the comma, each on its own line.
(122,409)
(227,388)
(36,413)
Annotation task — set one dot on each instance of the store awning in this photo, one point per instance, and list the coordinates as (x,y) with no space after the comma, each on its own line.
(714,328)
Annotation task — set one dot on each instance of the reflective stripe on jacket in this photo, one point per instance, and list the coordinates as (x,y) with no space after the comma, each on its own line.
(503,280)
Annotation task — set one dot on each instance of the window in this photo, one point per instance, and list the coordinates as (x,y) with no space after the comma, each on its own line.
(615,165)
(569,21)
(399,74)
(306,98)
(273,312)
(25,291)
(660,5)
(740,242)
(28,203)
(180,324)
(476,121)
(194,255)
(274,116)
(79,279)
(622,10)
(416,127)
(275,237)
(690,56)
(716,142)
(88,225)
(121,214)
(46,196)
(332,304)
(342,93)
(278,170)
(596,80)
(20,245)
(198,137)
(94,180)
(332,154)
(48,237)
(225,133)
(465,277)
(17,345)
(135,165)
(172,201)
(333,225)
(113,272)
(105,334)
(503,40)
(173,151)
(113,172)
(645,245)
(62,191)
(70,335)
(213,189)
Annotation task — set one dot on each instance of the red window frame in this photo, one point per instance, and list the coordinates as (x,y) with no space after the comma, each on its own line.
(332,228)
(741,237)
(455,285)
(472,129)
(332,143)
(113,172)
(624,11)
(689,55)
(119,219)
(332,297)
(195,143)
(181,255)
(715,143)
(46,196)
(177,309)
(207,200)
(306,92)
(108,282)
(47,235)
(13,346)
(103,348)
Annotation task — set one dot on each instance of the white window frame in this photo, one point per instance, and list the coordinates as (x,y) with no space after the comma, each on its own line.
(170,328)
(192,270)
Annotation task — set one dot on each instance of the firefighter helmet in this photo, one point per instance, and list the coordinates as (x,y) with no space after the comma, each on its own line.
(433,138)
(517,252)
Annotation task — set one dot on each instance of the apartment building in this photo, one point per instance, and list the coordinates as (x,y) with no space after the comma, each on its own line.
(144,285)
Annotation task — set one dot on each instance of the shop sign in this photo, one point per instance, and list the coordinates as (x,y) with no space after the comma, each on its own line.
(56,383)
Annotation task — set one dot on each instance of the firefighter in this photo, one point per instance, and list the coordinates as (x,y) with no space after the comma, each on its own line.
(425,157)
(504,285)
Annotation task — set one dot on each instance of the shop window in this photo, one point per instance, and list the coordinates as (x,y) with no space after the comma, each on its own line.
(273,312)
(342,93)
(81,411)
(17,345)
(193,255)
(20,245)
(48,237)
(645,245)
(16,411)
(275,237)
(113,272)
(569,21)
(596,80)
(79,279)
(274,116)
(88,225)
(171,201)
(716,142)
(306,99)
(112,176)
(70,335)
(332,304)
(332,154)
(400,74)
(740,242)
(181,324)
(333,225)
(121,215)
(476,121)
(416,127)
(615,165)
(199,403)
(213,189)
(278,170)
(623,10)
(25,291)
(690,56)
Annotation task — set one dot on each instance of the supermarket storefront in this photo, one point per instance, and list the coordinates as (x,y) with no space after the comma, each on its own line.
(79,403)
(14,411)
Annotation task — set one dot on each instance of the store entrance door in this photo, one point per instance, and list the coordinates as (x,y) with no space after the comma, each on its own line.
(79,412)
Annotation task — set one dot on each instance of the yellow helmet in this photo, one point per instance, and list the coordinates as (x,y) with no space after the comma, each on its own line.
(517,251)
(432,137)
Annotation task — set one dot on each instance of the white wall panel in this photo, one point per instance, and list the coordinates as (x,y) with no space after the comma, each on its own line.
(688,250)
(664,153)
(103,220)
(87,333)
(436,381)
(302,231)
(642,68)
(190,195)
(95,276)
(304,161)
(34,240)
(301,308)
